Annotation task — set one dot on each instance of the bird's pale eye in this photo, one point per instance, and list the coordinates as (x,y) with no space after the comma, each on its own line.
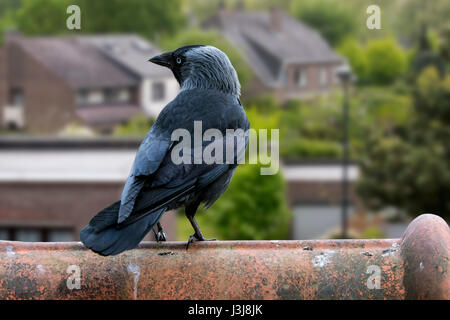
(178,60)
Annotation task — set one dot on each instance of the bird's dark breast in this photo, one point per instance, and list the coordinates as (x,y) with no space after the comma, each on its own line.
(207,195)
(211,193)
(215,110)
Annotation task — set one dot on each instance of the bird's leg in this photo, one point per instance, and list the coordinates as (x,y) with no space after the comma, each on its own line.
(160,235)
(197,236)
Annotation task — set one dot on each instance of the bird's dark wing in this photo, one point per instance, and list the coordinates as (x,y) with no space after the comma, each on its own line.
(174,182)
(149,156)
(171,182)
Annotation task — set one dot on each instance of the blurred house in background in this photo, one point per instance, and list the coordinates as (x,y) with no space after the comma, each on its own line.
(288,58)
(314,192)
(99,81)
(50,188)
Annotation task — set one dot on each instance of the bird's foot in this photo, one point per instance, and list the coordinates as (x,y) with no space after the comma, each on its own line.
(161,236)
(194,238)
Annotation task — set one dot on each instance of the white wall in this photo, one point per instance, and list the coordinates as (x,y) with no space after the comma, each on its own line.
(95,96)
(315,221)
(153,108)
(52,165)
(14,115)
(319,172)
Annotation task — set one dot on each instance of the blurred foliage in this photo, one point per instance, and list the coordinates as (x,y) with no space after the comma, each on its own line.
(380,62)
(8,9)
(314,138)
(398,128)
(310,148)
(313,128)
(136,127)
(6,5)
(264,104)
(147,18)
(375,110)
(351,49)
(426,55)
(184,228)
(42,17)
(238,213)
(76,129)
(411,15)
(409,168)
(444,44)
(337,20)
(379,109)
(205,9)
(310,129)
(333,20)
(197,36)
(260,120)
(386,61)
(373,233)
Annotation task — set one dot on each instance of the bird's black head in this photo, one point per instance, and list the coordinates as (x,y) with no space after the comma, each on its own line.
(174,60)
(200,66)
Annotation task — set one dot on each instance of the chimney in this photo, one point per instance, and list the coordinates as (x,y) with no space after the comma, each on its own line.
(275,19)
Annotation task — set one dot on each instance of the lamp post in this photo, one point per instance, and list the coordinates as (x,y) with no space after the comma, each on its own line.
(345,76)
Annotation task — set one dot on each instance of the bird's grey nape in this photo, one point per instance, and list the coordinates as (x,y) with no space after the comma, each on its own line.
(209,68)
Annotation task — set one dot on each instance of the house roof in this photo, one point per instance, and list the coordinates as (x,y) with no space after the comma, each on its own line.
(130,51)
(268,49)
(94,61)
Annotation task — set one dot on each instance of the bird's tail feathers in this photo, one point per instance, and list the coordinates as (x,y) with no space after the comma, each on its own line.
(103,237)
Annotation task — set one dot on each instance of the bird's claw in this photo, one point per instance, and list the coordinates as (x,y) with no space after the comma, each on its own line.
(161,236)
(194,238)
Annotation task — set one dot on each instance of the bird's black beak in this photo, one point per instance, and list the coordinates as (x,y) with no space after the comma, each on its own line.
(163,59)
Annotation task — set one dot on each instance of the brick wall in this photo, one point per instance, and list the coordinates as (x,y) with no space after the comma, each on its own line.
(62,204)
(290,90)
(320,192)
(312,76)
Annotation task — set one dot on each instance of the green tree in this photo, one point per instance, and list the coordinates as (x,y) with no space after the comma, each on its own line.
(6,5)
(136,127)
(147,18)
(265,104)
(412,14)
(355,53)
(253,207)
(332,19)
(426,55)
(37,17)
(307,129)
(445,43)
(410,167)
(196,36)
(386,61)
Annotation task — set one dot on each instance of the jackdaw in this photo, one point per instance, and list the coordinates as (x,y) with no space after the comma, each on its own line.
(209,93)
